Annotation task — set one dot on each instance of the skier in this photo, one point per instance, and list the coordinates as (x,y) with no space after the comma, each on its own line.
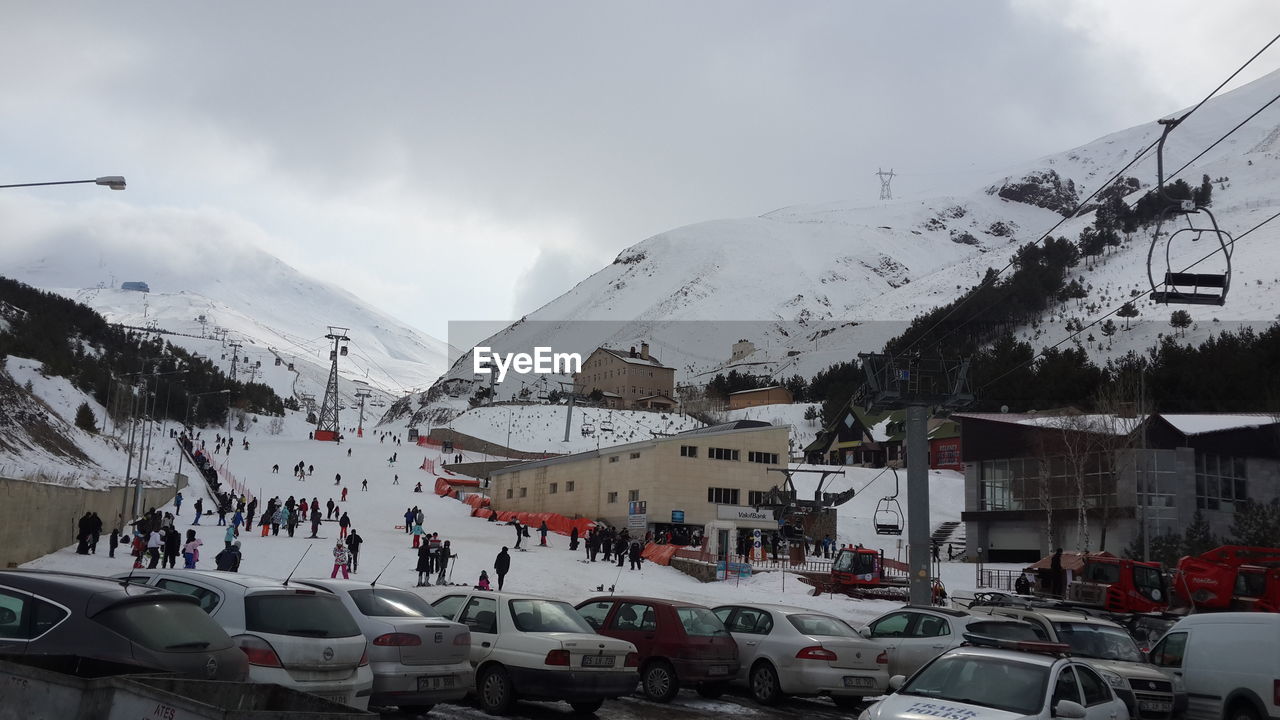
(634,554)
(341,559)
(501,564)
(519,537)
(199,510)
(337,478)
(433,552)
(424,565)
(543,532)
(343,524)
(177,503)
(408,520)
(573,538)
(344,495)
(329,505)
(442,561)
(353,544)
(315,524)
(364,485)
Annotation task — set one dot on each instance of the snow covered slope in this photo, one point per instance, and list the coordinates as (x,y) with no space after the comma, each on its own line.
(814,285)
(268,306)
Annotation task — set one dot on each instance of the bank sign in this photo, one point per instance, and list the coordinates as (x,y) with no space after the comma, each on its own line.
(745,515)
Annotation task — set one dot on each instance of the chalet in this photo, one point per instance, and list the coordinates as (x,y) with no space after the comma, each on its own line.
(627,379)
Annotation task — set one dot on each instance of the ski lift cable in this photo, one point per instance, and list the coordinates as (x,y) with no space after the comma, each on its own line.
(1116,309)
(1228,134)
(991,279)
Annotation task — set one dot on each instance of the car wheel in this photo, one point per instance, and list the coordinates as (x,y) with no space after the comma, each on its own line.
(848,702)
(712,690)
(764,684)
(494,691)
(1242,711)
(586,707)
(660,684)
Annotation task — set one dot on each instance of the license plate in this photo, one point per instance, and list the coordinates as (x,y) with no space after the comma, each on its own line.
(1156,707)
(340,698)
(597,661)
(853,681)
(435,682)
(718,670)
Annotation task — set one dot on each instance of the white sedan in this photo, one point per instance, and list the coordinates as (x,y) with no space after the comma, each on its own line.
(788,650)
(987,683)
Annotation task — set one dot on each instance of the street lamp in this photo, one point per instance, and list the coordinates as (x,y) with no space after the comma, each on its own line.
(115,182)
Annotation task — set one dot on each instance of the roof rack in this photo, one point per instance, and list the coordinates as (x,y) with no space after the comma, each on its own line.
(1045,648)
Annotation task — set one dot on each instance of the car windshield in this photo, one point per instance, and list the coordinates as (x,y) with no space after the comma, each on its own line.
(700,622)
(302,614)
(383,602)
(548,616)
(822,625)
(166,625)
(1016,687)
(1098,641)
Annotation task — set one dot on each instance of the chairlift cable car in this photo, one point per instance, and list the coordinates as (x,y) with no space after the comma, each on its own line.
(607,425)
(888,514)
(1186,288)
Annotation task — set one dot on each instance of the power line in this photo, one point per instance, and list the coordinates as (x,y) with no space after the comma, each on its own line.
(992,278)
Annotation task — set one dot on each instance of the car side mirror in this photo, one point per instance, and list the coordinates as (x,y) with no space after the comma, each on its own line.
(865,632)
(1069,710)
(896,682)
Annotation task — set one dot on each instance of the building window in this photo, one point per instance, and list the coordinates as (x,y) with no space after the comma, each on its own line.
(552,488)
(613,497)
(633,495)
(762,457)
(635,456)
(1220,482)
(722,454)
(510,492)
(613,458)
(1032,483)
(755,498)
(524,492)
(568,486)
(689,451)
(722,496)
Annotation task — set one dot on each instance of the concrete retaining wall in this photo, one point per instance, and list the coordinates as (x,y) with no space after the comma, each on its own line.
(37,519)
(474,444)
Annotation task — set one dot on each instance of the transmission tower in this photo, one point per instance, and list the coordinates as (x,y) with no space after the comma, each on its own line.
(327,424)
(886,192)
(235,359)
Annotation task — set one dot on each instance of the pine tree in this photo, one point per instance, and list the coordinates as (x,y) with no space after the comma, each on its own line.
(1198,538)
(1180,320)
(1109,327)
(85,419)
(1256,524)
(1127,311)
(811,414)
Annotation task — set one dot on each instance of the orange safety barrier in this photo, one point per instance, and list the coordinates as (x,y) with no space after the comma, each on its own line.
(460,482)
(660,554)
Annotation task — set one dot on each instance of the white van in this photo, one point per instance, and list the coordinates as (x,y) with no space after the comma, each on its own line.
(1228,662)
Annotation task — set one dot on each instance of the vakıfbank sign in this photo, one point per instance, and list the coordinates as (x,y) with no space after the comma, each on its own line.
(748,516)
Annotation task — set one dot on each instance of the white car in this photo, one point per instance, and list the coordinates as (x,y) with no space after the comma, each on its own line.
(1228,662)
(1039,682)
(295,636)
(523,646)
(418,657)
(915,634)
(788,650)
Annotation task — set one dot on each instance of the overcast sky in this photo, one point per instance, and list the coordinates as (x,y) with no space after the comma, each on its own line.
(467,160)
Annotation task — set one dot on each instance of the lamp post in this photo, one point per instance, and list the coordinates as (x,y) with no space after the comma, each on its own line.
(115,182)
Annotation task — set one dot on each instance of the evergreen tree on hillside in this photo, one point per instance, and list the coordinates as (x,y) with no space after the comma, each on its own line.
(1180,320)
(85,419)
(1127,311)
(1203,195)
(1256,524)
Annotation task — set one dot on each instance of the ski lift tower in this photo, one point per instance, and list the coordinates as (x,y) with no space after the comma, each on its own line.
(363,394)
(327,427)
(916,383)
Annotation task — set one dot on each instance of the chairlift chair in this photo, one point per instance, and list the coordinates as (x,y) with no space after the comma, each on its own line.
(1187,288)
(887,518)
(588,429)
(606,426)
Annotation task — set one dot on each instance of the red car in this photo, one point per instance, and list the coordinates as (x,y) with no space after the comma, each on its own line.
(679,643)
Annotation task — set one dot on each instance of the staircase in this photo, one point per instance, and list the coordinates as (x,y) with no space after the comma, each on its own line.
(951,532)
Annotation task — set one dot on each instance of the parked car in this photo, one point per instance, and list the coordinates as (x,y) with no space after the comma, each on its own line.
(915,634)
(1038,681)
(534,648)
(295,636)
(679,643)
(418,656)
(48,613)
(787,650)
(1147,693)
(1228,663)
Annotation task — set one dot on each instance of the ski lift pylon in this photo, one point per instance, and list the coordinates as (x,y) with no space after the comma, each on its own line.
(888,514)
(1186,288)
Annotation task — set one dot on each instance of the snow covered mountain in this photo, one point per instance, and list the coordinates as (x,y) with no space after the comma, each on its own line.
(199,288)
(810,286)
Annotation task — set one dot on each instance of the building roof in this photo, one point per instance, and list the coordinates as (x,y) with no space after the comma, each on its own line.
(1099,424)
(1188,424)
(724,429)
(625,356)
(658,395)
(754,390)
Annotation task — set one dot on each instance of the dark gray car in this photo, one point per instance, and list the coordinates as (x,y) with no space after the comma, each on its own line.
(48,613)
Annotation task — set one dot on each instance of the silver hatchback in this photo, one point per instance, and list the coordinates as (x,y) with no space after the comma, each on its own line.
(418,656)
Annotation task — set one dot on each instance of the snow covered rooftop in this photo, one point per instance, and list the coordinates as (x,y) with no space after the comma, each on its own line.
(1201,424)
(625,356)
